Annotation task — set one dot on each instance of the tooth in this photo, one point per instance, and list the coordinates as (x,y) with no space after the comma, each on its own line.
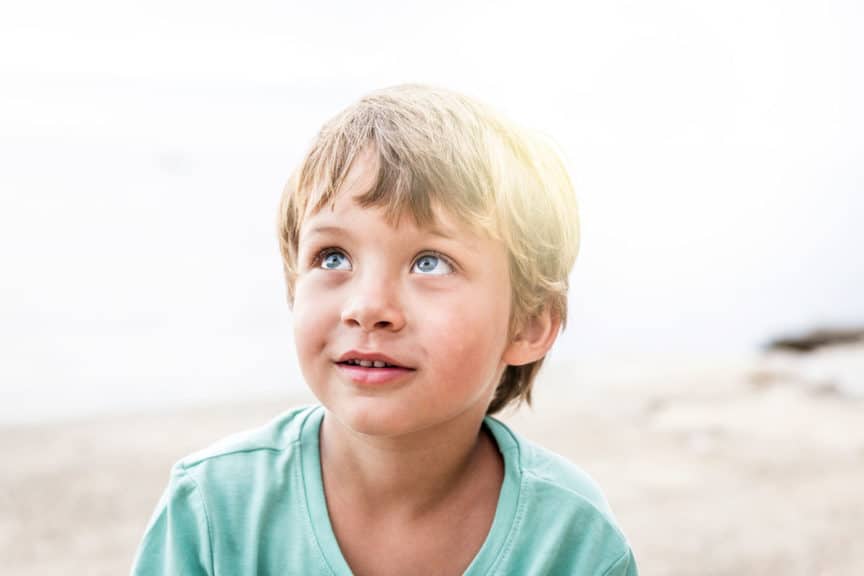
(379,364)
(365,363)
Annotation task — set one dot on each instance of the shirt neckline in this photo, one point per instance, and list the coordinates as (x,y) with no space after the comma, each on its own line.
(505,511)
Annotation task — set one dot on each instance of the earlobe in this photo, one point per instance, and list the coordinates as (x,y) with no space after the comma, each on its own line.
(534,339)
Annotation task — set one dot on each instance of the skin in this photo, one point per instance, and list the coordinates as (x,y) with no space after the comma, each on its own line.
(406,461)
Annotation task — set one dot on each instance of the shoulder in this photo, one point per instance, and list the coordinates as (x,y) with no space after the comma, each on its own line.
(277,434)
(220,497)
(561,502)
(545,467)
(541,466)
(274,442)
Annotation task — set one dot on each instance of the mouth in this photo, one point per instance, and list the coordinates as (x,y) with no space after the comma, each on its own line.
(355,358)
(368,363)
(372,369)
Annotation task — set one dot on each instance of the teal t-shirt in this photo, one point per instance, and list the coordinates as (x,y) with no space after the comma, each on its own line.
(254,504)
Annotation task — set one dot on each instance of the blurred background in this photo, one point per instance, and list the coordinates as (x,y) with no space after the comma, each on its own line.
(716,149)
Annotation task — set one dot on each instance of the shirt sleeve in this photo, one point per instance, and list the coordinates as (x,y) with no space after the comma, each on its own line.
(177,540)
(624,566)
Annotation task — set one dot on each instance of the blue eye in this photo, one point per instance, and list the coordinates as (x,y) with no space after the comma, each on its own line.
(432,264)
(334,260)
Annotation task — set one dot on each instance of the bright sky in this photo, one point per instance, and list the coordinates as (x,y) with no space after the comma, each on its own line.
(716,147)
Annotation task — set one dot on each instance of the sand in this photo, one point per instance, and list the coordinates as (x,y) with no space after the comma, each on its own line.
(707,471)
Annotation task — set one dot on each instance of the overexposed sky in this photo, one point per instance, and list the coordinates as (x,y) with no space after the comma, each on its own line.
(716,147)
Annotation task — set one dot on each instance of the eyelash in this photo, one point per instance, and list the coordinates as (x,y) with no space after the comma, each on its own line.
(322,254)
(438,255)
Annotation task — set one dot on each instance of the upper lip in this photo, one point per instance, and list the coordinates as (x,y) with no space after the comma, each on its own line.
(370,356)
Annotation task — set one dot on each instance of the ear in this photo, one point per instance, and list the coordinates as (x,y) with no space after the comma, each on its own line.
(533,340)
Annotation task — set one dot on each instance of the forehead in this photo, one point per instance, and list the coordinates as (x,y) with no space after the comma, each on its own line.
(362,176)
(346,212)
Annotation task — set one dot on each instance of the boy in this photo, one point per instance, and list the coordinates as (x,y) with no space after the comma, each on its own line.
(426,244)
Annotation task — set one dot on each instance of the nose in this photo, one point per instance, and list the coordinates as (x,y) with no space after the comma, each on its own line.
(374,304)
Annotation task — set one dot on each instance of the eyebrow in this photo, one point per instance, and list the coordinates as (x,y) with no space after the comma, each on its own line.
(330,229)
(325,229)
(451,234)
(442,232)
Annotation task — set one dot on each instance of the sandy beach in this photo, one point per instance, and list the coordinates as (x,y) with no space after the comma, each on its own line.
(707,470)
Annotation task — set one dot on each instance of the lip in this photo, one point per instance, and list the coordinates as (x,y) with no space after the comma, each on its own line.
(371,376)
(372,357)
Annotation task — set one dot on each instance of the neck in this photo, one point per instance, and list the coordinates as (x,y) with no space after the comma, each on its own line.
(408,475)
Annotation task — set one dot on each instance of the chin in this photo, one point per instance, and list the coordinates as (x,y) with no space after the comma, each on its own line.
(384,420)
(381,423)
(378,416)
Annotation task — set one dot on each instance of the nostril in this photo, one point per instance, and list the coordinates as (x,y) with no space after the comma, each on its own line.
(371,314)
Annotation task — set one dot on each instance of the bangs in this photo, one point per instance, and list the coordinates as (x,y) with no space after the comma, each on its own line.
(414,173)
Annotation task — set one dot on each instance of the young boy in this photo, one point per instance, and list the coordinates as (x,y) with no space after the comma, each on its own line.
(426,244)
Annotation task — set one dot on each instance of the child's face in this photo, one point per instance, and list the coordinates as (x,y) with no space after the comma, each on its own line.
(434,302)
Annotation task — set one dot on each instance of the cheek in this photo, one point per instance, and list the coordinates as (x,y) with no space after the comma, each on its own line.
(468,334)
(312,314)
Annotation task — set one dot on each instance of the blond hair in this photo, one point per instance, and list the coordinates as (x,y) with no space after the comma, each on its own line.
(436,148)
